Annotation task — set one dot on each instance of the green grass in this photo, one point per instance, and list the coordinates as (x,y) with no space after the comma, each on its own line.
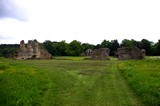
(67,81)
(70,57)
(144,78)
(19,85)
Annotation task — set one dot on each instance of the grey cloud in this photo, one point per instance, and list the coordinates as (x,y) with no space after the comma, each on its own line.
(9,9)
(4,37)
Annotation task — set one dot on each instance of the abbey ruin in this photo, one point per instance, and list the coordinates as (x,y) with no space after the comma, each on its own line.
(100,54)
(32,50)
(126,53)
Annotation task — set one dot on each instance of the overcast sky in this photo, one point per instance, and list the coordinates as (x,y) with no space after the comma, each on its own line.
(88,21)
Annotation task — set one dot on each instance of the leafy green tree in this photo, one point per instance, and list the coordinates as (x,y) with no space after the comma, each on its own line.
(114,45)
(74,48)
(145,44)
(56,48)
(156,49)
(135,43)
(87,46)
(126,43)
(62,48)
(97,46)
(7,50)
(105,44)
(48,45)
(1,53)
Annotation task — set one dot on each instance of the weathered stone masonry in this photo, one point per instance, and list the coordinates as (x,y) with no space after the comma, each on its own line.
(126,53)
(100,54)
(32,50)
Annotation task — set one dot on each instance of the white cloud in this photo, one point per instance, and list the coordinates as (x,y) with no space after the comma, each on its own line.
(85,20)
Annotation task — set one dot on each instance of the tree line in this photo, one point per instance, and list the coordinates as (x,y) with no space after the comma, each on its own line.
(76,48)
(7,50)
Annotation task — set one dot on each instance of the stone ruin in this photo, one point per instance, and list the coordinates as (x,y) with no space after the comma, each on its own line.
(100,54)
(32,50)
(126,53)
(88,52)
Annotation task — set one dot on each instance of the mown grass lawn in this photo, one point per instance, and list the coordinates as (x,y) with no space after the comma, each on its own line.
(65,82)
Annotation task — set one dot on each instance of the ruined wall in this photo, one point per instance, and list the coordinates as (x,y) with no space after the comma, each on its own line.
(100,54)
(31,50)
(88,52)
(126,53)
(143,53)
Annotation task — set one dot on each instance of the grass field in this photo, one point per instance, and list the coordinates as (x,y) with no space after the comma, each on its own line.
(72,81)
(143,76)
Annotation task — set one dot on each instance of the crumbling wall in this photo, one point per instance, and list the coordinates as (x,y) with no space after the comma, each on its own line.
(31,50)
(100,54)
(126,53)
(89,52)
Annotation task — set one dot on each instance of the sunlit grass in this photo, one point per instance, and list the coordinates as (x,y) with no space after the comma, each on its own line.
(70,57)
(144,78)
(74,81)
(19,85)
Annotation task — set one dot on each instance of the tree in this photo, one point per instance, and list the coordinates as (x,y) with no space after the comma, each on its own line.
(126,43)
(74,48)
(48,45)
(114,45)
(62,48)
(135,43)
(156,49)
(105,44)
(97,46)
(145,44)
(7,50)
(87,46)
